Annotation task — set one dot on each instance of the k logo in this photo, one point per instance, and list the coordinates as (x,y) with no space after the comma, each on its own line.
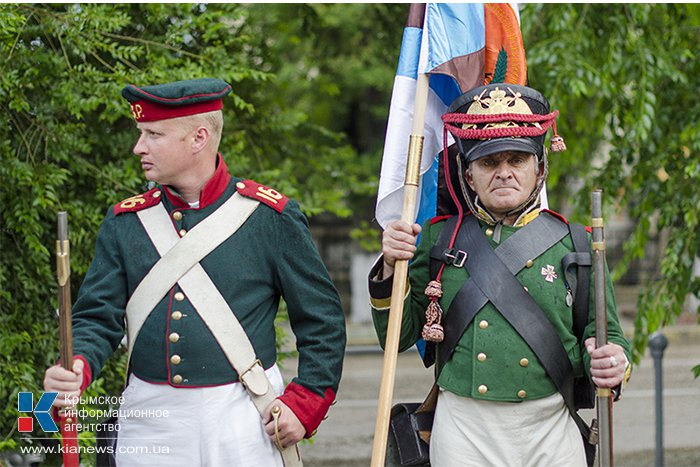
(25,403)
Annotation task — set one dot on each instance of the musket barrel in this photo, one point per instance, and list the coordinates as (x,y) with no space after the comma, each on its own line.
(598,244)
(603,395)
(62,224)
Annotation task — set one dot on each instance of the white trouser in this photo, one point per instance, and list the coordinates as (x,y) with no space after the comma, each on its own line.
(208,426)
(470,432)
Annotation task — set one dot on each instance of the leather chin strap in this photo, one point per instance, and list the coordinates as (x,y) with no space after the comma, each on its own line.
(483,214)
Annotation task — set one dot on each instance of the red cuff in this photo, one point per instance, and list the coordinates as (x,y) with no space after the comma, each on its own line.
(87,373)
(87,379)
(309,407)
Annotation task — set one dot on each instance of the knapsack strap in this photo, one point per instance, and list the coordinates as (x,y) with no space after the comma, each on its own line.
(583,260)
(578,279)
(441,248)
(492,277)
(512,254)
(531,241)
(526,244)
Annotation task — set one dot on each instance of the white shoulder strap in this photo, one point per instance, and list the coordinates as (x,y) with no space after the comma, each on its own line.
(202,293)
(179,255)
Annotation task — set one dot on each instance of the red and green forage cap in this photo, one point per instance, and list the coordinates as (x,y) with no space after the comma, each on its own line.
(177,99)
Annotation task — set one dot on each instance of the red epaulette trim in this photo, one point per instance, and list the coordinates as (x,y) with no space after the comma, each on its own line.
(437,219)
(557,215)
(139,202)
(564,219)
(265,195)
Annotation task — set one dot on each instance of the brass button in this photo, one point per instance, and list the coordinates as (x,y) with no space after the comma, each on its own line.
(524,362)
(156,194)
(489,232)
(174,337)
(481,357)
(240,185)
(176,315)
(177,379)
(529,263)
(483,389)
(335,401)
(325,417)
(183,232)
(483,324)
(313,433)
(177,215)
(179,296)
(175,359)
(526,289)
(522,394)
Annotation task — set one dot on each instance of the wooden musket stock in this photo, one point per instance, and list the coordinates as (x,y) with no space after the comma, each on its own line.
(64,296)
(68,420)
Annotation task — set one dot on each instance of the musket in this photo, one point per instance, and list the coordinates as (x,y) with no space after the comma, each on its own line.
(67,416)
(604,398)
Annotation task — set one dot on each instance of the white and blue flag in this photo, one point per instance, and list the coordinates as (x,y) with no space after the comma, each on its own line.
(448,41)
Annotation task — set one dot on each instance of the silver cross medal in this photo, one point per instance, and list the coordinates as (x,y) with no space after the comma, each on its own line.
(549,273)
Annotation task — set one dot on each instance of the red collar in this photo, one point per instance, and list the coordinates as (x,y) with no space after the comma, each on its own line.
(213,189)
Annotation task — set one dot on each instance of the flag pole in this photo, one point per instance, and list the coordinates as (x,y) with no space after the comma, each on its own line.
(398,291)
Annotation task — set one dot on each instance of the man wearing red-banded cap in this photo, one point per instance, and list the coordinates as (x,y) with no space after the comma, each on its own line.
(193,270)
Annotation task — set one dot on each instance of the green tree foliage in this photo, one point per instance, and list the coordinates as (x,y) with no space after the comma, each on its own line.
(66,132)
(335,63)
(625,78)
(312,84)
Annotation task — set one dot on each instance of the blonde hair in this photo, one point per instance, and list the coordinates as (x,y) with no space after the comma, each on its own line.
(213,121)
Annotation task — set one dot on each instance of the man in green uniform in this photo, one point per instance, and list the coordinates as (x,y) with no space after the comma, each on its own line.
(509,315)
(196,267)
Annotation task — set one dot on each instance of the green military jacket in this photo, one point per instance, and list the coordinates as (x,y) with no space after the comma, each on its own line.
(271,256)
(491,361)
